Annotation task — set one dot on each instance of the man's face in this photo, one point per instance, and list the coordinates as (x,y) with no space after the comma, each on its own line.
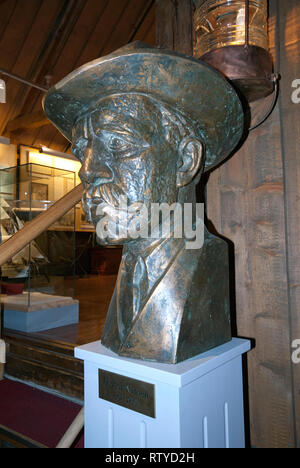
(125,155)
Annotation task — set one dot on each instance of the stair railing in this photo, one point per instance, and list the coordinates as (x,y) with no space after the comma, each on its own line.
(41,223)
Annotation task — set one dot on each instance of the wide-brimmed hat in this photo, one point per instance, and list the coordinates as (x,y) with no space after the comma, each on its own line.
(186,84)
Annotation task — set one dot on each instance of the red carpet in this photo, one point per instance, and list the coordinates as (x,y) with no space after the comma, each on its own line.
(36,414)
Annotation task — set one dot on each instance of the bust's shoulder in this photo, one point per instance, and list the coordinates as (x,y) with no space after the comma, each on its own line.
(211,243)
(211,257)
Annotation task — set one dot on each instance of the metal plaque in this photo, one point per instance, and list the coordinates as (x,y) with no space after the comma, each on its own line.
(133,394)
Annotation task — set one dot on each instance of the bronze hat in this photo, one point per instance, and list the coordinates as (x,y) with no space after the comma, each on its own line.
(184,83)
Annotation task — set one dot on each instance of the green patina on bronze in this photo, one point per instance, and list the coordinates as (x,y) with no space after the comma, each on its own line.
(146,123)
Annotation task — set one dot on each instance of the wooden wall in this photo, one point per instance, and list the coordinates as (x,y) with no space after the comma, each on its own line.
(253,200)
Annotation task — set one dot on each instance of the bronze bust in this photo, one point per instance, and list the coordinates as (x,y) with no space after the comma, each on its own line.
(145,124)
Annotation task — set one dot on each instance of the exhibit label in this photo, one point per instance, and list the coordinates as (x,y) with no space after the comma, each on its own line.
(130,393)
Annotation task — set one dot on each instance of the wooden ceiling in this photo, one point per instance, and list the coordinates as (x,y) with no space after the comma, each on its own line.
(42,41)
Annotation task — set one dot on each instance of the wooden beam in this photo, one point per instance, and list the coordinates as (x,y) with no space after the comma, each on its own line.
(126,25)
(174,25)
(36,59)
(25,26)
(33,120)
(101,32)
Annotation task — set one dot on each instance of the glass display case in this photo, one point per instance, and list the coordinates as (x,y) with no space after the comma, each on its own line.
(46,267)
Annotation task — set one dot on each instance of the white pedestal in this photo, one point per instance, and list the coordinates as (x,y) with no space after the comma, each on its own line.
(198,403)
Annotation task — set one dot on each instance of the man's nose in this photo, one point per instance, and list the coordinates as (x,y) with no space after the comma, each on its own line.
(95,172)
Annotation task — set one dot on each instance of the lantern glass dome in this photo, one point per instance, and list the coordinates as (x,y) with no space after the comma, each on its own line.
(232,36)
(221,23)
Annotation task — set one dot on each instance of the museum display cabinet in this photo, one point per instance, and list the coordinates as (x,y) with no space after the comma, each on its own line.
(38,283)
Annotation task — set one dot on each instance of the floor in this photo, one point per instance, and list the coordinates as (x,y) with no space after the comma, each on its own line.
(94,294)
(29,416)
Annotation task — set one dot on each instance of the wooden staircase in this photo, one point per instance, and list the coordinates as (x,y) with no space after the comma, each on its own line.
(44,362)
(13,439)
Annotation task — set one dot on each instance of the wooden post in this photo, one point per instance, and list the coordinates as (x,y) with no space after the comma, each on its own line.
(174,25)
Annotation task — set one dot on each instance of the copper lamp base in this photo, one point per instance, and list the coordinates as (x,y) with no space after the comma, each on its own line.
(249,68)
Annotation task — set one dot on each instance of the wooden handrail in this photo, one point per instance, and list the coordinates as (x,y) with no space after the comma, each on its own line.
(73,431)
(32,230)
(2,358)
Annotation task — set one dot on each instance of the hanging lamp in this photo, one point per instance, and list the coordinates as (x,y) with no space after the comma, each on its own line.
(232,36)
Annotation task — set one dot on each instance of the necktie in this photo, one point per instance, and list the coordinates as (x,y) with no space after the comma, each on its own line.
(139,285)
(133,288)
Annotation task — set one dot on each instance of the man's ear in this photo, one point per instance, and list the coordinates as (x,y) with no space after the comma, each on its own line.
(191,160)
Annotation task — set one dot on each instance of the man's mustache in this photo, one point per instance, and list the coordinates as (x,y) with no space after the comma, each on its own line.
(106,194)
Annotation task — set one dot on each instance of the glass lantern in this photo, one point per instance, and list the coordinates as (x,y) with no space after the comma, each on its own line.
(220,23)
(232,36)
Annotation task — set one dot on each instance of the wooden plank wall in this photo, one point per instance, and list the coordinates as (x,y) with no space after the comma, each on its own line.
(288,14)
(253,200)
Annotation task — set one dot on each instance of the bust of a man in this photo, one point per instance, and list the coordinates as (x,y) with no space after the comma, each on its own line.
(146,124)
